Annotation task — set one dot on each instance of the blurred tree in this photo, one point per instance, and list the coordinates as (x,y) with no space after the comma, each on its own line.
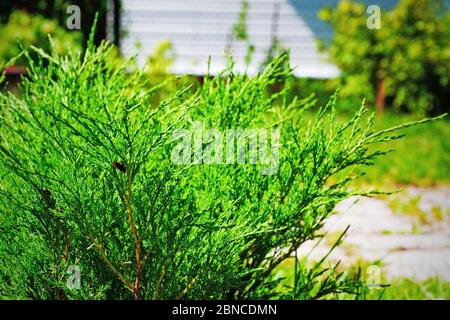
(56,9)
(405,63)
(24,30)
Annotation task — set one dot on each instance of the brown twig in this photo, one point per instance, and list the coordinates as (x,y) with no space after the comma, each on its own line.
(105,258)
(157,294)
(139,265)
(186,290)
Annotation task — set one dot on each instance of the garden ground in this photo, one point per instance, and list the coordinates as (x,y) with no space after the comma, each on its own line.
(410,247)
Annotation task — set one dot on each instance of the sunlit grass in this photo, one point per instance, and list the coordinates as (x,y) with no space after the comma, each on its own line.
(421,158)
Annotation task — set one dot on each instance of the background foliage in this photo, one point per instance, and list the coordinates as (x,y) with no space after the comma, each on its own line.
(24,30)
(410,54)
(56,10)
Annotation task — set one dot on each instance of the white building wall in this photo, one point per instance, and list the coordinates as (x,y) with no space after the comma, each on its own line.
(201,28)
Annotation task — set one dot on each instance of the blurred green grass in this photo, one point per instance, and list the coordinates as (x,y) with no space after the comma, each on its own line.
(421,158)
(407,289)
(393,289)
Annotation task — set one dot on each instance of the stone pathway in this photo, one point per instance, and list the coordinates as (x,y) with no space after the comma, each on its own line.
(406,247)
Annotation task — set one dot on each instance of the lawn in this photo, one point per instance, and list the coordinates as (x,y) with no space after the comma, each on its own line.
(393,289)
(421,158)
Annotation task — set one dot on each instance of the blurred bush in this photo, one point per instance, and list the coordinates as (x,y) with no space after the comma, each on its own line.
(406,63)
(24,30)
(57,10)
(158,74)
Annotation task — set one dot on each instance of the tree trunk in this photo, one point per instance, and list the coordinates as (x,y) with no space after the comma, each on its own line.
(379,99)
